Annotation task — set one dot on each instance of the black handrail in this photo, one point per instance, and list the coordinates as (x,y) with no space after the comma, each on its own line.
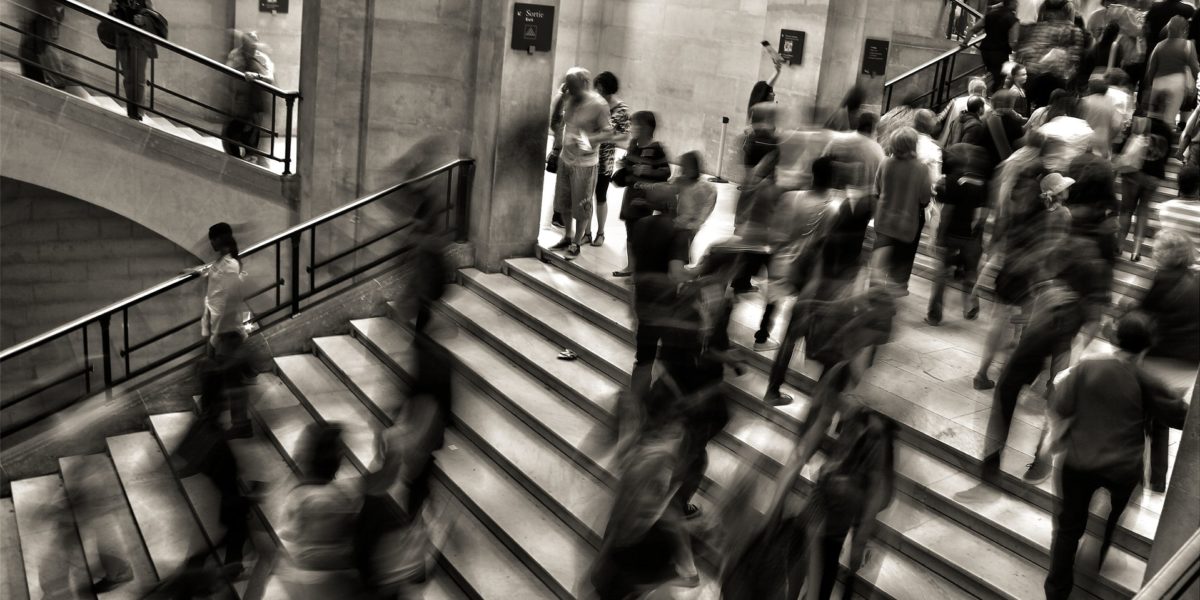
(459,173)
(288,97)
(956,30)
(943,74)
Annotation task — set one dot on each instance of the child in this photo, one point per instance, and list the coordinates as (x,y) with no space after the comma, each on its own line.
(689,199)
(644,162)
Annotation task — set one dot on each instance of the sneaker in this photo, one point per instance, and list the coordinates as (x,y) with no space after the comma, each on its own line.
(563,243)
(766,346)
(239,432)
(979,493)
(981,382)
(1037,471)
(691,511)
(777,399)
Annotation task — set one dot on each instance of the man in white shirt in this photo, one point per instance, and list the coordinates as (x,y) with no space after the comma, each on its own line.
(585,125)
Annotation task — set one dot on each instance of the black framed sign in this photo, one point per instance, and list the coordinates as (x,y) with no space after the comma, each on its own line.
(532,27)
(791,46)
(875,53)
(273,6)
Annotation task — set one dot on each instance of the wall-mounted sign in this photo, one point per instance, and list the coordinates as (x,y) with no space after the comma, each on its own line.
(875,54)
(791,46)
(532,27)
(273,6)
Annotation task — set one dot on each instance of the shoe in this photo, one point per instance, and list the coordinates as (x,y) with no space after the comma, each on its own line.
(1158,487)
(587,239)
(563,243)
(567,354)
(1135,257)
(766,346)
(572,250)
(972,313)
(979,493)
(107,585)
(746,290)
(932,321)
(981,382)
(777,399)
(691,511)
(556,221)
(599,240)
(1037,471)
(622,273)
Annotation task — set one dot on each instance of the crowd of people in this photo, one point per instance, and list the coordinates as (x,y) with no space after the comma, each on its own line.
(1031,188)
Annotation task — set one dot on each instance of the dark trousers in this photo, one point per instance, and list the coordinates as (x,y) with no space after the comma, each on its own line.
(647,337)
(993,61)
(602,182)
(954,252)
(751,264)
(1042,339)
(132,62)
(221,384)
(1071,522)
(1159,440)
(797,325)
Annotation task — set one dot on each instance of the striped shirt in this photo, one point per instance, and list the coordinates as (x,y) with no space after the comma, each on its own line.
(1183,216)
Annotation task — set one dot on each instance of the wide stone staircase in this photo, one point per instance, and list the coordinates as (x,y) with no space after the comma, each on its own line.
(524,483)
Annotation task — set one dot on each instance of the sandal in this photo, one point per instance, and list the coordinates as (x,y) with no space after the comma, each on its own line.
(599,240)
(567,354)
(587,239)
(622,273)
(563,243)
(573,250)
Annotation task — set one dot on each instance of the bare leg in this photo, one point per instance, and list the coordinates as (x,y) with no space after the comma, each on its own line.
(601,217)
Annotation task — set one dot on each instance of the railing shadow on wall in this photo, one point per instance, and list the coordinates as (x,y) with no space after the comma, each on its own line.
(286,273)
(96,69)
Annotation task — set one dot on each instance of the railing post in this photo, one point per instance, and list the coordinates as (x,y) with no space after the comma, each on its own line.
(462,204)
(295,283)
(152,83)
(106,349)
(287,142)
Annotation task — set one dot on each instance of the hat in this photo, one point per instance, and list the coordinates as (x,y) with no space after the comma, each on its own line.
(1055,184)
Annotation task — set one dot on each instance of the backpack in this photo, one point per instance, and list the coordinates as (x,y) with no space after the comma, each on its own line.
(863,455)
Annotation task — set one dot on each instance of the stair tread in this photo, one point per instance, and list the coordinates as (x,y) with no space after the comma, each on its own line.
(50,547)
(775,443)
(473,553)
(363,371)
(12,567)
(320,388)
(167,525)
(933,419)
(105,521)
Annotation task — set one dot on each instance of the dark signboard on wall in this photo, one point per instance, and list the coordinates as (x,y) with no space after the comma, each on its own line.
(532,27)
(791,46)
(875,54)
(273,6)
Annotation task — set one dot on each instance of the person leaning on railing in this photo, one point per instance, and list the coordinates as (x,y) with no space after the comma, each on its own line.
(133,51)
(250,102)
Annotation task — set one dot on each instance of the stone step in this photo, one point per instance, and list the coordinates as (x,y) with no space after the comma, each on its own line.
(935,425)
(50,548)
(756,438)
(563,425)
(170,529)
(471,556)
(541,542)
(12,567)
(105,522)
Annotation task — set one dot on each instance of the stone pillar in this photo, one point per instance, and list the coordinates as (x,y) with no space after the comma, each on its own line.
(849,24)
(1181,510)
(331,80)
(511,118)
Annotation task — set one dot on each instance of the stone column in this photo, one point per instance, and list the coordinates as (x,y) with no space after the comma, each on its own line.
(1181,511)
(849,24)
(511,118)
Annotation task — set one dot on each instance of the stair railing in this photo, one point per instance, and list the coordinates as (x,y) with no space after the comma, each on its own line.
(962,18)
(209,82)
(333,250)
(945,78)
(1179,577)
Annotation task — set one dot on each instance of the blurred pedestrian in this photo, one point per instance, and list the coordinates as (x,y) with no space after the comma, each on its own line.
(999,24)
(223,325)
(133,49)
(251,102)
(687,197)
(1172,70)
(1182,214)
(959,236)
(1108,402)
(845,118)
(645,162)
(904,190)
(1172,299)
(856,156)
(1154,136)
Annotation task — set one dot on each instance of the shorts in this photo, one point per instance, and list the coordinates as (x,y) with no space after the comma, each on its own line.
(573,190)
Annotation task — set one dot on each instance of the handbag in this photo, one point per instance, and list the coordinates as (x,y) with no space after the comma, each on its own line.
(1133,155)
(552,162)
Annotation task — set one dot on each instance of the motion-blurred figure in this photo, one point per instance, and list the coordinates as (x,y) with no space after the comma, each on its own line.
(223,325)
(904,188)
(250,102)
(959,236)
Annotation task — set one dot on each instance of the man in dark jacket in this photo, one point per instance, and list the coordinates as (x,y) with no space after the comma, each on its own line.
(1108,401)
(133,51)
(971,129)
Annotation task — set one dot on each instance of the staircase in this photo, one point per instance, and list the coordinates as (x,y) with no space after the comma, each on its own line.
(524,482)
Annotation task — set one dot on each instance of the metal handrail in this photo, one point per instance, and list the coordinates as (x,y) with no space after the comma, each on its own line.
(967,7)
(165,43)
(933,61)
(459,173)
(1175,577)
(289,97)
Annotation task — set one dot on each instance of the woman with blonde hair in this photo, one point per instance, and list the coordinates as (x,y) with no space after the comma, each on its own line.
(1172,68)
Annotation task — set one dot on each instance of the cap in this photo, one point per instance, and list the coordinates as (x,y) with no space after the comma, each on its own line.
(1054,184)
